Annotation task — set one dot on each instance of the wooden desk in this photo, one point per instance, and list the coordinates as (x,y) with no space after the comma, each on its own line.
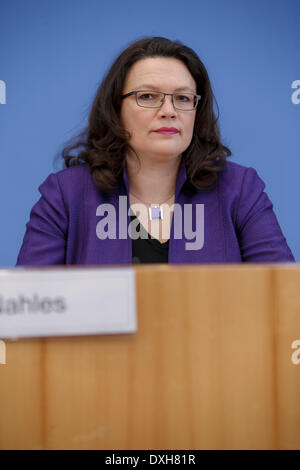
(210,368)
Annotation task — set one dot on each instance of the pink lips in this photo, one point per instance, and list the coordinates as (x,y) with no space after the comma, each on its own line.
(167,130)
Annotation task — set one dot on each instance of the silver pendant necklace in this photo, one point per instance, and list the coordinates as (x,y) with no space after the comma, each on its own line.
(155,210)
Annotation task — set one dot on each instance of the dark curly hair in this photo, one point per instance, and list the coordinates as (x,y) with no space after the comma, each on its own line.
(104,143)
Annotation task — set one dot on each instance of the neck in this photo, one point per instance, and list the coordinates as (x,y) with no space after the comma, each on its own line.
(152,181)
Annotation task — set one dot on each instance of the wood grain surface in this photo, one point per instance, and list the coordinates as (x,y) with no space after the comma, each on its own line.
(209,368)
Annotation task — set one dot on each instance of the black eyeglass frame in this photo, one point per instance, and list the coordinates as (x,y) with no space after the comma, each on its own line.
(165,94)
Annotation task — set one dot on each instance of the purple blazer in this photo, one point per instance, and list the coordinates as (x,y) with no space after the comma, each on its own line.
(239,222)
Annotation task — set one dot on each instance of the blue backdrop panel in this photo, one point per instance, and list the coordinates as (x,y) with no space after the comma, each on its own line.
(55,53)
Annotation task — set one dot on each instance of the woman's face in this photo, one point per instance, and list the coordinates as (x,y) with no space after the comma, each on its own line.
(158,74)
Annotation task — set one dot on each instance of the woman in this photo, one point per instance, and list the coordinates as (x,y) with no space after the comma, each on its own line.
(150,181)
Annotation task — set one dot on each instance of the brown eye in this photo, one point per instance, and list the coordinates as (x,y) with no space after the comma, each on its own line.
(183,98)
(148,97)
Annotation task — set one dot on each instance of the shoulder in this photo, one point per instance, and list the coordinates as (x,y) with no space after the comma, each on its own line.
(241,189)
(71,180)
(236,178)
(74,175)
(236,171)
(66,189)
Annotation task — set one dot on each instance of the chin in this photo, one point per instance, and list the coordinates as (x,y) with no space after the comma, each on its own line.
(167,148)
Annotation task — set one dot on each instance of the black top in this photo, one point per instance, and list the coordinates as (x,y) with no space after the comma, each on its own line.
(148,250)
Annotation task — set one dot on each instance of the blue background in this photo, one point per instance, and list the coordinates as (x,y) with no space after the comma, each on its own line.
(54,54)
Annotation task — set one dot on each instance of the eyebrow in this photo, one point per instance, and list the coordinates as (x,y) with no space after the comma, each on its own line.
(146,86)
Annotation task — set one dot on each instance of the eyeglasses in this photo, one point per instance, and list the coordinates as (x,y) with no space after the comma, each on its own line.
(155,99)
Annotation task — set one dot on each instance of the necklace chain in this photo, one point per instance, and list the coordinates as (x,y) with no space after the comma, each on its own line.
(148,203)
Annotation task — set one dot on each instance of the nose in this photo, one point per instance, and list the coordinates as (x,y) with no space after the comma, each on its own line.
(167,107)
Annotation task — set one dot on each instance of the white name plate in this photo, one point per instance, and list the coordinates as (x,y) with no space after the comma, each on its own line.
(64,302)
